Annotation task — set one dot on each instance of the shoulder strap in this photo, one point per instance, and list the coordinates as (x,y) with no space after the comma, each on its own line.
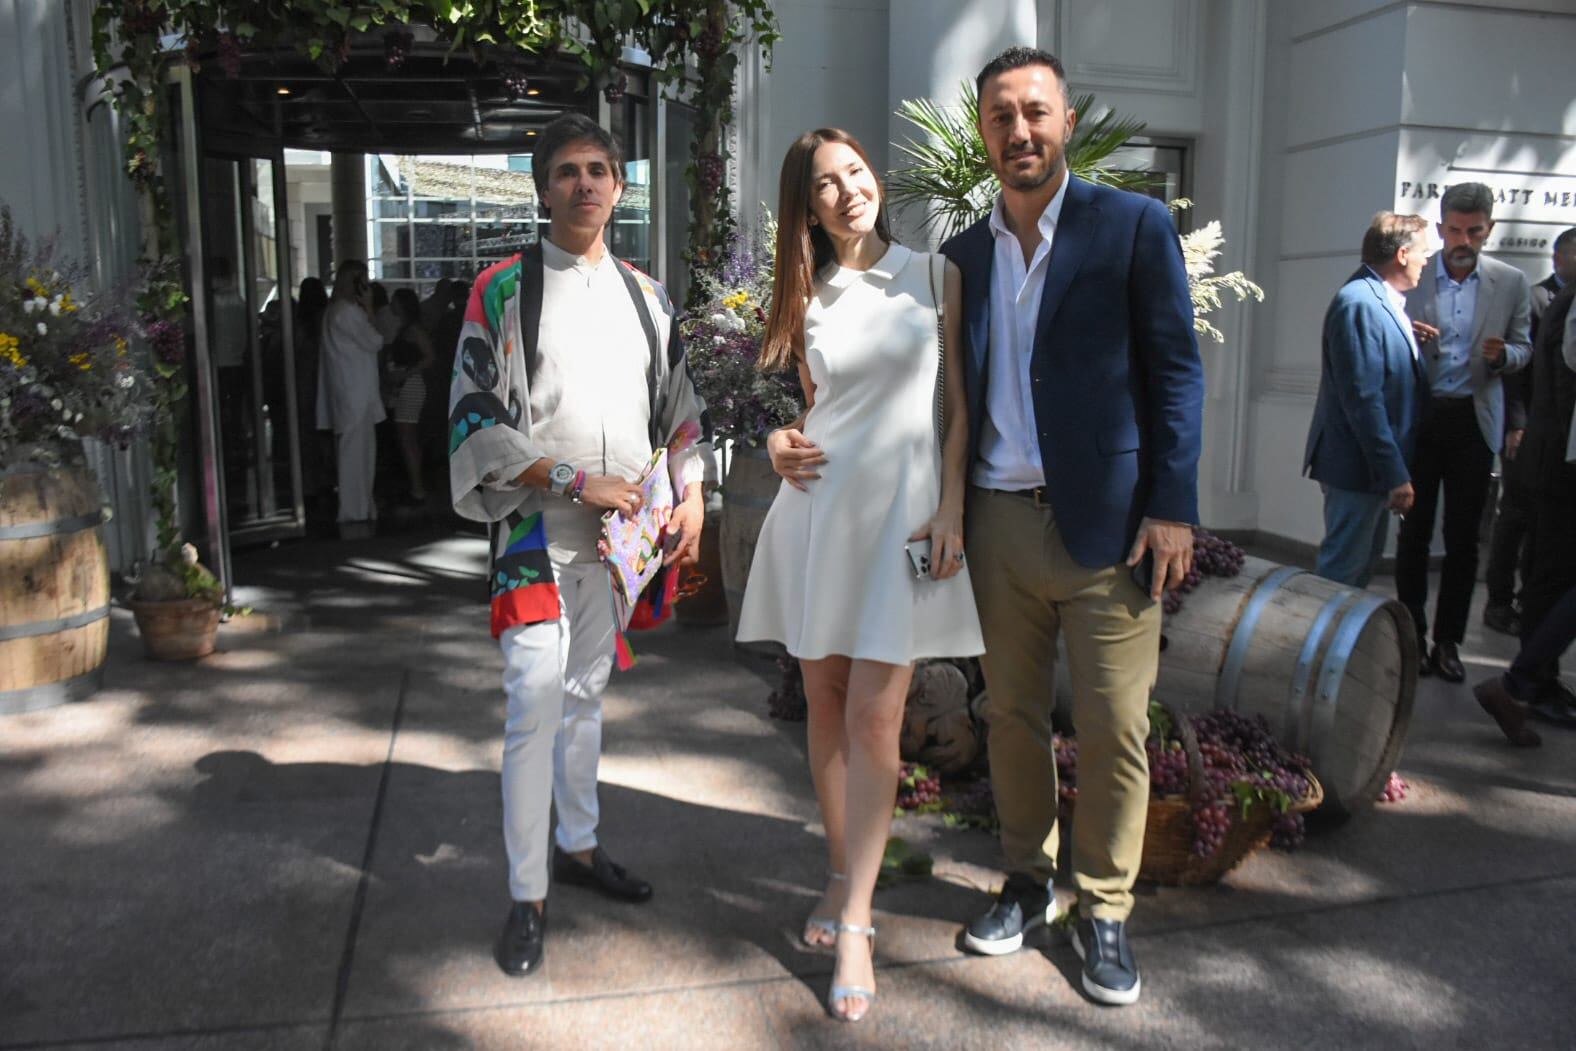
(530,307)
(938,290)
(649,326)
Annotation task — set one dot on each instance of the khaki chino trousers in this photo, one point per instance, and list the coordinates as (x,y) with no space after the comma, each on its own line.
(1028,588)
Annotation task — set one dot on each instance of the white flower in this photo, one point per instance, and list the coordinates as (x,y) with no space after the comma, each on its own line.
(189,554)
(54,306)
(29,305)
(43,329)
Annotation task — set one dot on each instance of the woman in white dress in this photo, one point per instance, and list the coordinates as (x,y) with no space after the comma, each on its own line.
(864,472)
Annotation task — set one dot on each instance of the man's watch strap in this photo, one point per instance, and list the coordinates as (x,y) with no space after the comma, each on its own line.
(560,478)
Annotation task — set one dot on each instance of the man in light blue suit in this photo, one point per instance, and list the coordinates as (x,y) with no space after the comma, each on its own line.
(1472,315)
(1371,384)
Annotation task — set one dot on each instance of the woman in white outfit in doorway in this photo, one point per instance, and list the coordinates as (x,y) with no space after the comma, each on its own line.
(864,472)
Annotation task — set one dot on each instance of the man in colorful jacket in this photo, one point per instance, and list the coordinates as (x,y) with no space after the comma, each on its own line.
(568,375)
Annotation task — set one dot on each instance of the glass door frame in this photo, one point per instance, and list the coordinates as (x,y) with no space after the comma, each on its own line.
(195,144)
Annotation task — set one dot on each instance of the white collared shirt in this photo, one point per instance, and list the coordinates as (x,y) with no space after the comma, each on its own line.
(1009,455)
(590,406)
(1397,300)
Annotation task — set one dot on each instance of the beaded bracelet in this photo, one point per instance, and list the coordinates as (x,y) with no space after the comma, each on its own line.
(577,486)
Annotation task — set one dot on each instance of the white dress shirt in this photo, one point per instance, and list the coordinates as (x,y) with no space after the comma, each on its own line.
(1397,301)
(1009,454)
(590,406)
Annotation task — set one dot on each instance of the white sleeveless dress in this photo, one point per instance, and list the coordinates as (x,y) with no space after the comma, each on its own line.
(830,575)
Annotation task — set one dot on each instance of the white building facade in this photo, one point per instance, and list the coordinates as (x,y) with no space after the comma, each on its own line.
(1299,120)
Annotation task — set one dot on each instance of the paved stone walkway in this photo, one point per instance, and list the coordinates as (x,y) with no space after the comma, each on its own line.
(296,844)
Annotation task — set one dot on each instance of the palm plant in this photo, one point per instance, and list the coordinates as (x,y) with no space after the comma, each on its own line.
(950,177)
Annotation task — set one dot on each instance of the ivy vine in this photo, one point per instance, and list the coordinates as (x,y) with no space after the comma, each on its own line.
(128,48)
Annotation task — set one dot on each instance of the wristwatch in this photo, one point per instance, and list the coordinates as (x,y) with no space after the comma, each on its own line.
(561,477)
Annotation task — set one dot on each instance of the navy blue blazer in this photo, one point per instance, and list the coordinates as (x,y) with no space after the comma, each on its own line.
(1371,388)
(1118,387)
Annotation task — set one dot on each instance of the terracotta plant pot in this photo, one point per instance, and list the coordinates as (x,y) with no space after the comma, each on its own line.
(178,629)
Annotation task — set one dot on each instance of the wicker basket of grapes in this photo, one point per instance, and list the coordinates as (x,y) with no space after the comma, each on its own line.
(1221,787)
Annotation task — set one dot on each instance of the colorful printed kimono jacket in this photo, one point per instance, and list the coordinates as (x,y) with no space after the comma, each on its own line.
(490,442)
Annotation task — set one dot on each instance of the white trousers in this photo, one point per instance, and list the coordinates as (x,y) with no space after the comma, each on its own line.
(553,676)
(356,449)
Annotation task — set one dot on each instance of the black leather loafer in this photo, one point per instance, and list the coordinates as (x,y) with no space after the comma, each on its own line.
(1425,664)
(1447,662)
(603,874)
(519,948)
(1023,904)
(1110,975)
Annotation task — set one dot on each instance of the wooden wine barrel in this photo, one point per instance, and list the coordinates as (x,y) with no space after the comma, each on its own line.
(747,496)
(1332,668)
(54,588)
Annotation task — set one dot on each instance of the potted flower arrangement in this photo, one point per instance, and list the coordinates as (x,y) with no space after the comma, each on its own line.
(67,372)
(177,601)
(722,335)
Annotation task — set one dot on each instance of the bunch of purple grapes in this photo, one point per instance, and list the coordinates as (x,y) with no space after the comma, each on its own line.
(1288,832)
(1066,751)
(1395,789)
(1168,774)
(1211,823)
(917,787)
(1212,557)
(396,49)
(515,81)
(711,172)
(1238,750)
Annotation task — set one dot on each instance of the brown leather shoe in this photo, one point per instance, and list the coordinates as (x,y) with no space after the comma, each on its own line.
(1509,713)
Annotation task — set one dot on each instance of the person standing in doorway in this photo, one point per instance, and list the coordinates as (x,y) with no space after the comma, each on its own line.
(1085,399)
(1471,316)
(570,373)
(1371,387)
(411,357)
(349,401)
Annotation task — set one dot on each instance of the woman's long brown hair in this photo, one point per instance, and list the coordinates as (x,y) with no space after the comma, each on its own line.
(802,249)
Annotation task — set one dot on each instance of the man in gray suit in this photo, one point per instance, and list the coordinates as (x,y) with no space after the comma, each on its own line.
(1471,316)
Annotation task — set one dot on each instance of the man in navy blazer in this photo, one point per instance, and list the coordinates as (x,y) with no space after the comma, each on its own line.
(1085,403)
(1371,388)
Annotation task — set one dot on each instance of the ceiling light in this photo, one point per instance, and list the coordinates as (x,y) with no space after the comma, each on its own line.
(533,91)
(282,90)
(530,134)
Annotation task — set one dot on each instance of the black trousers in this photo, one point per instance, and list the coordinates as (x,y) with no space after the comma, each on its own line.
(1451,455)
(1507,552)
(1545,590)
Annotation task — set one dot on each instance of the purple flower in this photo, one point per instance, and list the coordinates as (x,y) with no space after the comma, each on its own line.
(168,341)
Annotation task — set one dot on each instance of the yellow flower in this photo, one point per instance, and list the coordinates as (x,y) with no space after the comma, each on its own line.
(737,300)
(81,361)
(9,351)
(67,305)
(120,346)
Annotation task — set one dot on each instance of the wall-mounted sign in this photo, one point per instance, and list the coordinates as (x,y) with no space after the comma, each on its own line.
(1529,210)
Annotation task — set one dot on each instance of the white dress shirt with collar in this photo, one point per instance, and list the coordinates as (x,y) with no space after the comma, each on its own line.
(1397,302)
(590,406)
(1009,453)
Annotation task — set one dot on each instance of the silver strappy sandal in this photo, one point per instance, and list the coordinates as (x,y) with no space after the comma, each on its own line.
(819,924)
(844,993)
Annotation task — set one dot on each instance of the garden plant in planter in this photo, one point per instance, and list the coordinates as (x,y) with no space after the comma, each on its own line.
(68,372)
(722,336)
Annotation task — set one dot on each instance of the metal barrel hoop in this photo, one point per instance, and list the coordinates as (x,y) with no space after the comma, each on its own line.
(50,627)
(1242,635)
(1297,721)
(1334,669)
(53,527)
